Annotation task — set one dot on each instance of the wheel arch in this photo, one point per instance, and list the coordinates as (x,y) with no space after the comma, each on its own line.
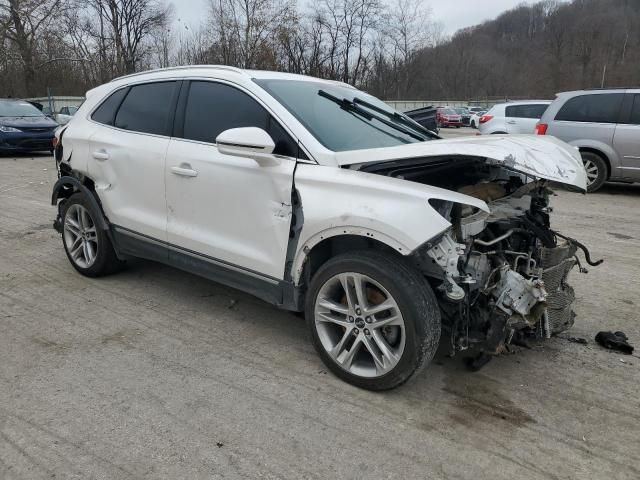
(599,153)
(67,186)
(329,243)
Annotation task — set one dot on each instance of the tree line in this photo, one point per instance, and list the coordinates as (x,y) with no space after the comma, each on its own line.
(393,49)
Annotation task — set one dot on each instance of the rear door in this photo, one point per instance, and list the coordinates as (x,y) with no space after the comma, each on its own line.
(228,209)
(626,140)
(524,117)
(128,156)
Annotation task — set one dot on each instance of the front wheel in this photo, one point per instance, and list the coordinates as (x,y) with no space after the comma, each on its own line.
(374,320)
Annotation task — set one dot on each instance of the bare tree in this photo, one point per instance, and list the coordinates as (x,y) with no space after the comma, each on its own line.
(23,22)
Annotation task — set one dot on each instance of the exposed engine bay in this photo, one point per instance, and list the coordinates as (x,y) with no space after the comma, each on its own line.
(501,277)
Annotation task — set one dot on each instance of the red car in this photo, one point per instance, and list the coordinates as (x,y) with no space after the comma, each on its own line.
(448,117)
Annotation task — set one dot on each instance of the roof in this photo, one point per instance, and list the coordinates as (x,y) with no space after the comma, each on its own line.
(260,74)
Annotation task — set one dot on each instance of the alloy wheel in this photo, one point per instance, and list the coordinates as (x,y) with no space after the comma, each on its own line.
(592,171)
(359,324)
(80,236)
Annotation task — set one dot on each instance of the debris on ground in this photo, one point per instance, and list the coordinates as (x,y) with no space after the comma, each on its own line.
(615,341)
(580,340)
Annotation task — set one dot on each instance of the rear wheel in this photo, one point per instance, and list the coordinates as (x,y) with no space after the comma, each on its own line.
(88,247)
(373,319)
(596,169)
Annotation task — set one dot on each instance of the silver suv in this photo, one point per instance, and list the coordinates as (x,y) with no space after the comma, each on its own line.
(605,126)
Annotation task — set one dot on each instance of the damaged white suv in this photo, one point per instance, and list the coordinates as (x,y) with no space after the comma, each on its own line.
(317,197)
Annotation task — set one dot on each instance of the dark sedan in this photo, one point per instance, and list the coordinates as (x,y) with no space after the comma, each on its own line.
(24,128)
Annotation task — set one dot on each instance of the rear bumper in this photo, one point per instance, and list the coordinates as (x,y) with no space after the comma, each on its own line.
(26,142)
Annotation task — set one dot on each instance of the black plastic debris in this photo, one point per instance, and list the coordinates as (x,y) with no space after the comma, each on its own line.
(580,340)
(615,341)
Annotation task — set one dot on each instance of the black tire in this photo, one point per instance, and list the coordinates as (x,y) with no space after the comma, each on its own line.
(591,158)
(106,261)
(415,299)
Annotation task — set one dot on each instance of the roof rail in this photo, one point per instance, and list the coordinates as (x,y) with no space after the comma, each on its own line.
(181,67)
(611,88)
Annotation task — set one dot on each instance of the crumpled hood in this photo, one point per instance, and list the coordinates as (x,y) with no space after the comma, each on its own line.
(542,157)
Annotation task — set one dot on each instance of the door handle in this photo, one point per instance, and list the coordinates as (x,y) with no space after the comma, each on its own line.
(184,170)
(511,122)
(101,155)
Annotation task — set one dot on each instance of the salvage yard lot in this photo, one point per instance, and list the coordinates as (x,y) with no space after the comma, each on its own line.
(156,373)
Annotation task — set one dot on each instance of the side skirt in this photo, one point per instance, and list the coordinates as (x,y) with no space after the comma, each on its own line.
(281,293)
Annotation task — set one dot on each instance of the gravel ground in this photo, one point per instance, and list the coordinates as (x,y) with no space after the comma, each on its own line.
(155,373)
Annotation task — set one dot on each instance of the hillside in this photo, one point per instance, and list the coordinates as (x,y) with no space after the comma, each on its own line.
(536,51)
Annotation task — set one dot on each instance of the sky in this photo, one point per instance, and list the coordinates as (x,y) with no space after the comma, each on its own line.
(453,14)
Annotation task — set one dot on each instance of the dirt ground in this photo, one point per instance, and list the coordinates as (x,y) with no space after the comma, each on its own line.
(156,373)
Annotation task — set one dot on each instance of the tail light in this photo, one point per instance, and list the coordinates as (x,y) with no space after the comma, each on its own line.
(485,118)
(541,128)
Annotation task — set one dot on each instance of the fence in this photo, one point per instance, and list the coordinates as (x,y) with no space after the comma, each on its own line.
(57,102)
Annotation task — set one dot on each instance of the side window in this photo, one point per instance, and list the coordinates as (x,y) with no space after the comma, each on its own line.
(215,107)
(106,112)
(525,111)
(635,111)
(598,108)
(146,108)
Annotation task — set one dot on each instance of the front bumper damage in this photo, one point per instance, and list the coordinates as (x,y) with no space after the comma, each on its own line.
(502,278)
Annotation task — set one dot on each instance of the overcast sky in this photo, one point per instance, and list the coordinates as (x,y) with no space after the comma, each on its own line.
(453,14)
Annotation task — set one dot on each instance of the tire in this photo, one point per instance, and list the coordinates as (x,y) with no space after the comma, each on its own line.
(596,168)
(408,330)
(88,248)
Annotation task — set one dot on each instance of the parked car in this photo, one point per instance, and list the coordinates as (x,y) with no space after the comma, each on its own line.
(465,116)
(476,109)
(24,128)
(474,122)
(513,117)
(448,117)
(317,197)
(605,126)
(426,116)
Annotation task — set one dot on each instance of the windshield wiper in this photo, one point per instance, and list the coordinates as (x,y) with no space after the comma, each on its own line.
(352,106)
(398,117)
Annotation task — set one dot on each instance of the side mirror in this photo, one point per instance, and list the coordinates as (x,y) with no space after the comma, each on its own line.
(251,142)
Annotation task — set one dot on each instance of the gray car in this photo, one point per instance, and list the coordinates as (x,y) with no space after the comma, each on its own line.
(605,126)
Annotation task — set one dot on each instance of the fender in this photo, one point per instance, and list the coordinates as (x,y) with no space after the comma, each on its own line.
(66,183)
(339,201)
(606,150)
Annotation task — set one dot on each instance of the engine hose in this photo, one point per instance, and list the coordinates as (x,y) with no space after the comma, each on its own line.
(587,255)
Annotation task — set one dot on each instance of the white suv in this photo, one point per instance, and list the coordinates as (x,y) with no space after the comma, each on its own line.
(317,197)
(513,117)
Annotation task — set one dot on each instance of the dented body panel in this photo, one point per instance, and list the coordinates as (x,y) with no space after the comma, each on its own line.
(337,201)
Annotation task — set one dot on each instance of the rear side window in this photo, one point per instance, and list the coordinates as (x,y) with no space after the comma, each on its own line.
(526,111)
(213,108)
(146,108)
(106,112)
(635,111)
(597,108)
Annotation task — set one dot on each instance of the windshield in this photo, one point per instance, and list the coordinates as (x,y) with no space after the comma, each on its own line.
(19,109)
(461,111)
(449,111)
(342,127)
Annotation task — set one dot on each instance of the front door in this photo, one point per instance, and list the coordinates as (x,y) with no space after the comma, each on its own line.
(224,208)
